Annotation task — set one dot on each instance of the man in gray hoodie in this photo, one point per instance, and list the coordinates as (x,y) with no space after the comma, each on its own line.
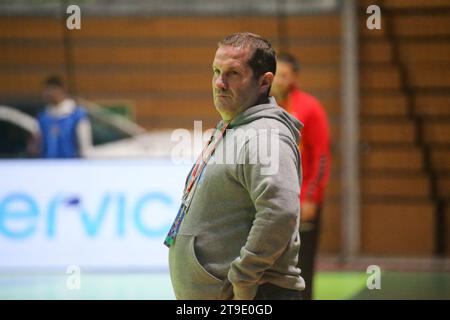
(236,235)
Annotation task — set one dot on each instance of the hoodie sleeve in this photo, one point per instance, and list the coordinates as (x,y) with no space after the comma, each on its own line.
(275,195)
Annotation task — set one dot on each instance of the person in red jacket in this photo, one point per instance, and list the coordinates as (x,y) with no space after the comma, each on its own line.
(315,151)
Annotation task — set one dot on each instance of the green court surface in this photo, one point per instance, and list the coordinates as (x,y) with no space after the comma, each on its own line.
(122,286)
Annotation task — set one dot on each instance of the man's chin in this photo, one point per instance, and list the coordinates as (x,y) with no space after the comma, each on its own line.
(220,107)
(224,111)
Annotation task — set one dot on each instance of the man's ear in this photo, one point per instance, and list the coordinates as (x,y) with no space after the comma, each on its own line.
(266,81)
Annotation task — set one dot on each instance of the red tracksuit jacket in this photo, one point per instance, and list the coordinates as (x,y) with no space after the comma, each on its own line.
(314,144)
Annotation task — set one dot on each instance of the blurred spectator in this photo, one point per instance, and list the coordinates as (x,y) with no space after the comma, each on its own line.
(65,130)
(315,152)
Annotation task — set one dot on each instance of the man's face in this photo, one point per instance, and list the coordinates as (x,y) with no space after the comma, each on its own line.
(53,94)
(284,80)
(234,87)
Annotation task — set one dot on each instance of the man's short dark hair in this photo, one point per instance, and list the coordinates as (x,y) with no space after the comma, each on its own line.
(54,81)
(263,58)
(290,59)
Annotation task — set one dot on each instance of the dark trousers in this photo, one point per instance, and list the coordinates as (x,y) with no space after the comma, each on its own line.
(268,291)
(309,235)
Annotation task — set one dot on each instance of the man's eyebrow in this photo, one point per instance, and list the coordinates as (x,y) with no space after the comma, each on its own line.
(235,67)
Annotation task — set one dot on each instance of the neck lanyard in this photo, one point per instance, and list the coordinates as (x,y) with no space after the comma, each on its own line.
(202,160)
(191,184)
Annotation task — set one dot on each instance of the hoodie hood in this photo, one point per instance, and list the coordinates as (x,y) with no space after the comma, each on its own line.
(269,110)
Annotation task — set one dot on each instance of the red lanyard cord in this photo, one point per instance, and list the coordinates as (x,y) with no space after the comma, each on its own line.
(204,157)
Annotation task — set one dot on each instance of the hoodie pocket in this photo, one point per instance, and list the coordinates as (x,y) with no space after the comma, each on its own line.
(189,278)
(199,265)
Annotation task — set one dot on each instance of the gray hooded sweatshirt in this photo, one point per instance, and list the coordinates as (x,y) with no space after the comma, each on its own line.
(241,228)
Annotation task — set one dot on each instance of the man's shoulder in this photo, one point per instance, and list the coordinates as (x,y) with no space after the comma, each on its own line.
(44,115)
(41,114)
(266,128)
(264,124)
(80,111)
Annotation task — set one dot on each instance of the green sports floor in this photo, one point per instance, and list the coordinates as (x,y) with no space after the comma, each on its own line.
(335,285)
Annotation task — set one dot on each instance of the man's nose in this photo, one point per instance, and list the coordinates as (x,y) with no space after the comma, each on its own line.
(220,83)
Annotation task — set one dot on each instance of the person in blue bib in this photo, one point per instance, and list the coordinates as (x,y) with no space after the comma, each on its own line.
(65,129)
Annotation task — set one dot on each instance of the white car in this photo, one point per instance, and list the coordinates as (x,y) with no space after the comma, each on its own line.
(114,136)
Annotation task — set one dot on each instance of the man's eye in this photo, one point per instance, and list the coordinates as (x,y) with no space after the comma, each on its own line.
(216,71)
